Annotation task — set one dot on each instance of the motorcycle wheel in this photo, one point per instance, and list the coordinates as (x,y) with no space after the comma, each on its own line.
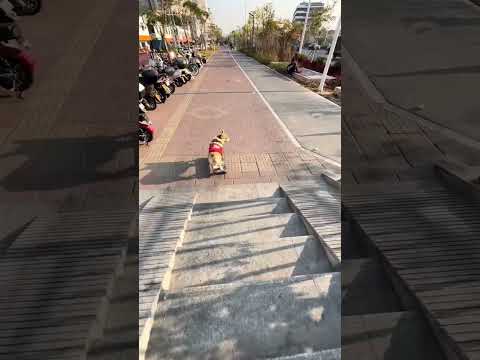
(159,98)
(149,136)
(31,7)
(150,103)
(179,82)
(165,91)
(22,77)
(142,136)
(194,69)
(189,77)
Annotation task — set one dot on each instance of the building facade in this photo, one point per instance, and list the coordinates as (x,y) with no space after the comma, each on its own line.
(300,12)
(148,5)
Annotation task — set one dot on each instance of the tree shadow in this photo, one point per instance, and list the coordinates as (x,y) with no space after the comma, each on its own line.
(169,172)
(62,163)
(249,321)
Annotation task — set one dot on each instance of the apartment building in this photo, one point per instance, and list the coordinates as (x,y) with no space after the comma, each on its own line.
(300,12)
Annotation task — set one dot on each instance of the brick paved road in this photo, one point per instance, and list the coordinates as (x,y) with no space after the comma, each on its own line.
(220,97)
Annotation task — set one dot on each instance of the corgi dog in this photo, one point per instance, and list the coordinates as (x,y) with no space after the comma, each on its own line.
(216,153)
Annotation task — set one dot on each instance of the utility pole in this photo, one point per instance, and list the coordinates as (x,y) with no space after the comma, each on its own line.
(245,5)
(253,28)
(330,55)
(305,27)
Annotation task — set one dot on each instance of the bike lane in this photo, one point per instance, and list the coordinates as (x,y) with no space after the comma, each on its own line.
(313,121)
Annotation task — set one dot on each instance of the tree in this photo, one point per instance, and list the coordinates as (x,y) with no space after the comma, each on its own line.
(152,19)
(193,13)
(273,38)
(317,24)
(215,33)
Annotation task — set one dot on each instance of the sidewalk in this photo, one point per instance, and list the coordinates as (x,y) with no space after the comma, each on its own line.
(56,144)
(313,120)
(394,44)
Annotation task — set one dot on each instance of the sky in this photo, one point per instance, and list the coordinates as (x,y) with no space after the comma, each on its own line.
(230,14)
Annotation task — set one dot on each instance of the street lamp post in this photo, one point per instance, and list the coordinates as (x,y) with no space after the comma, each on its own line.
(330,55)
(305,27)
(253,28)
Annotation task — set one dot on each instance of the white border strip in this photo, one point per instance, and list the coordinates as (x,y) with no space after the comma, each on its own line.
(280,122)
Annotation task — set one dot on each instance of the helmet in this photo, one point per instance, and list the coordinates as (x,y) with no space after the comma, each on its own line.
(150,76)
(169,70)
(181,63)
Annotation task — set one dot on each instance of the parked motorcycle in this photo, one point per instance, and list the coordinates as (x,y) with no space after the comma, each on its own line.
(16,68)
(148,78)
(26,7)
(166,70)
(182,64)
(147,101)
(162,87)
(176,76)
(146,130)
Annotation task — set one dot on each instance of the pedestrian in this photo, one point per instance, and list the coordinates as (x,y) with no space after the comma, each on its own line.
(293,66)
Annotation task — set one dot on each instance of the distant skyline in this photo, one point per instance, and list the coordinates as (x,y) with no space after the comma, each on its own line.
(230,14)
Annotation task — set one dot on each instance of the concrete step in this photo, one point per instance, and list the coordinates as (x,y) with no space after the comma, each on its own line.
(162,223)
(56,310)
(120,335)
(224,211)
(256,229)
(318,203)
(120,344)
(330,354)
(248,321)
(240,192)
(244,261)
(366,288)
(393,336)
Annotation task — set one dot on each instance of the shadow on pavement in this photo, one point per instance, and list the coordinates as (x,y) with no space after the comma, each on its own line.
(168,172)
(61,163)
(248,321)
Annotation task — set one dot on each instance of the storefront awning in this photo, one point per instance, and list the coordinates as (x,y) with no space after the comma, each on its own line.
(144,37)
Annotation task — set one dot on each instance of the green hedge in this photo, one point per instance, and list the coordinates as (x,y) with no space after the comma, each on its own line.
(265,60)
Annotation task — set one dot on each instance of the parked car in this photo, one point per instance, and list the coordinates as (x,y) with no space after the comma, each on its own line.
(313,47)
